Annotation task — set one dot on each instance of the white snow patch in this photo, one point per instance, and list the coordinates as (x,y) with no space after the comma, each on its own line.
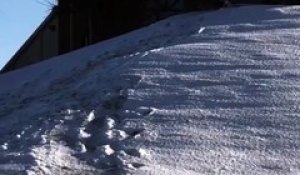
(82,148)
(116,134)
(110,123)
(107,150)
(4,146)
(83,134)
(143,153)
(91,116)
(201,30)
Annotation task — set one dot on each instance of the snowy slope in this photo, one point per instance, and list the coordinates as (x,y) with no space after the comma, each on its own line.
(201,93)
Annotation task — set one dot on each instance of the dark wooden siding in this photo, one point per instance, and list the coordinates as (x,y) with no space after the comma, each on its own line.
(87,22)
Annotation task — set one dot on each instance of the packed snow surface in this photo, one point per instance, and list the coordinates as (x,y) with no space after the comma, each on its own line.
(202,93)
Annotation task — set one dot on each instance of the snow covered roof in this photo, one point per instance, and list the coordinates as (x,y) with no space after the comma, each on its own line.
(200,93)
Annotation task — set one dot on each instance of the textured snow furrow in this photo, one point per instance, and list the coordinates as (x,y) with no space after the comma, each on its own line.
(247,131)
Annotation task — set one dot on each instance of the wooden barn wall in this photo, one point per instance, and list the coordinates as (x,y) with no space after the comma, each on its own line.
(87,22)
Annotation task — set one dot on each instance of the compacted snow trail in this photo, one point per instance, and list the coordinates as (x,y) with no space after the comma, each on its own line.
(202,93)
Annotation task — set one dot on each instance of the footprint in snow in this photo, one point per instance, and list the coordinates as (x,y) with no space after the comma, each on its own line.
(99,137)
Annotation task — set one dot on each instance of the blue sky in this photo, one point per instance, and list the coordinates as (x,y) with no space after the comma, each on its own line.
(18,20)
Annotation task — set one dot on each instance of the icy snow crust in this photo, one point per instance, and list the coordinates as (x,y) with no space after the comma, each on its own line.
(201,93)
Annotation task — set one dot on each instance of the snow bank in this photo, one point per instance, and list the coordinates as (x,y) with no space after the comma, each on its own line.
(200,93)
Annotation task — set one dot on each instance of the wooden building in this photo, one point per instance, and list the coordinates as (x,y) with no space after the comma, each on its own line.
(73,24)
